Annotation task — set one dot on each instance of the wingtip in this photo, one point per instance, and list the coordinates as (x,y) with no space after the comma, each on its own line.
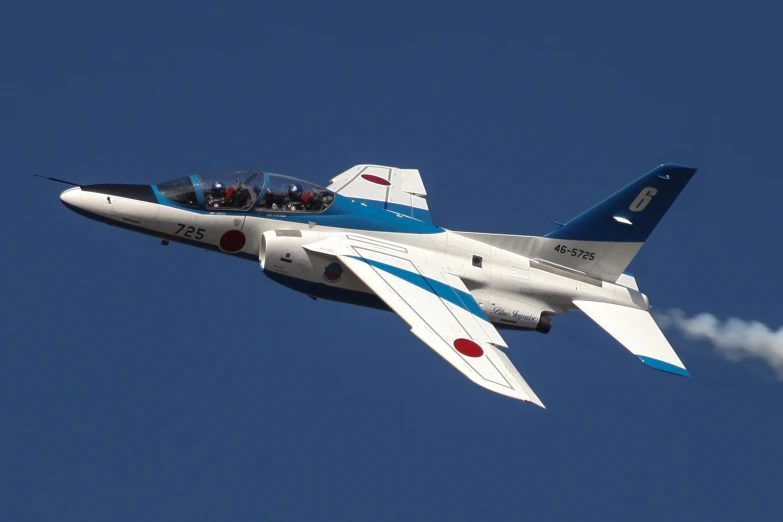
(664,366)
(534,400)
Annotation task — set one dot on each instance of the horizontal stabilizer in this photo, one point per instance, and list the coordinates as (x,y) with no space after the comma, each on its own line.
(638,332)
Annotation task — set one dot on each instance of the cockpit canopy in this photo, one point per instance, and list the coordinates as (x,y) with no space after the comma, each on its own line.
(246,191)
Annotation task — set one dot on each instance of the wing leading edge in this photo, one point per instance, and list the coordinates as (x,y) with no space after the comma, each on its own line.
(438,307)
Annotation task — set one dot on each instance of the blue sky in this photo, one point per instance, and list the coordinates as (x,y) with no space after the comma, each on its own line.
(138,382)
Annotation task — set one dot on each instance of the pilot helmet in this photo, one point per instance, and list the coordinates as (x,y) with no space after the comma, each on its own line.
(218,187)
(294,191)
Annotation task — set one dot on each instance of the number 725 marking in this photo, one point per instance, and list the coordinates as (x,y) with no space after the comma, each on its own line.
(189,230)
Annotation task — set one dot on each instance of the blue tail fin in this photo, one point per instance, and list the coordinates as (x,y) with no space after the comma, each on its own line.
(631,214)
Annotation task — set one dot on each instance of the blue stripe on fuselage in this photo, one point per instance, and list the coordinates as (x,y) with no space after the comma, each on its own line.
(342,213)
(453,295)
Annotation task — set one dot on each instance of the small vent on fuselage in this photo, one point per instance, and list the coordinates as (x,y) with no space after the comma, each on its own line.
(288,233)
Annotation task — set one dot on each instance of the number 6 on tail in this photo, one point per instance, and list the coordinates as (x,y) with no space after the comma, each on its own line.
(643,199)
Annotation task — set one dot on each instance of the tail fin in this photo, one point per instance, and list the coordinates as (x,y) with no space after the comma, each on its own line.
(613,231)
(631,214)
(602,241)
(637,331)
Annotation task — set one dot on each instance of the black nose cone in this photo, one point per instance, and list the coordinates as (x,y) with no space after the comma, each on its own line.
(137,192)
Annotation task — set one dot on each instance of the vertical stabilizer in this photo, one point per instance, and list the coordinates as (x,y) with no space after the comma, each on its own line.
(602,241)
(630,214)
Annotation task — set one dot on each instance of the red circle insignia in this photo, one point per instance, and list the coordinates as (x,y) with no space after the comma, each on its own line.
(376,179)
(468,347)
(232,241)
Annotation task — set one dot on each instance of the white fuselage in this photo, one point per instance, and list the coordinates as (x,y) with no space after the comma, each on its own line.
(513,290)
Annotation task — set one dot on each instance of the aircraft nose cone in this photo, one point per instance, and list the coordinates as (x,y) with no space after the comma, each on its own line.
(72,197)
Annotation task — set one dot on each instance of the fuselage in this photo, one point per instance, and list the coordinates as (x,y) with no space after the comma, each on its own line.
(513,290)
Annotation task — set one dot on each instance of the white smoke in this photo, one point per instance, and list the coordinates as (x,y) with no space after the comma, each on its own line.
(735,339)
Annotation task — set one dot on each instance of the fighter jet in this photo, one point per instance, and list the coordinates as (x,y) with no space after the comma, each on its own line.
(368,239)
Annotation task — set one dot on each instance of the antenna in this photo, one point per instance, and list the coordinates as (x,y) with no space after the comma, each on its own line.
(58,180)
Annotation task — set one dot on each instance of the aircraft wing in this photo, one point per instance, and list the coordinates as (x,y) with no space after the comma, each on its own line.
(390,188)
(438,307)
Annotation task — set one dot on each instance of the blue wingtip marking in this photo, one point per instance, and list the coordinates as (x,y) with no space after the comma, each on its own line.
(664,366)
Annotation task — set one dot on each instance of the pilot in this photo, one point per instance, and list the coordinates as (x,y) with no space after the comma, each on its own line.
(230,192)
(237,196)
(308,200)
(294,199)
(217,195)
(315,200)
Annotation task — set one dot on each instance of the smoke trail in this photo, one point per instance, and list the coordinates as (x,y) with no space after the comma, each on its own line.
(734,338)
